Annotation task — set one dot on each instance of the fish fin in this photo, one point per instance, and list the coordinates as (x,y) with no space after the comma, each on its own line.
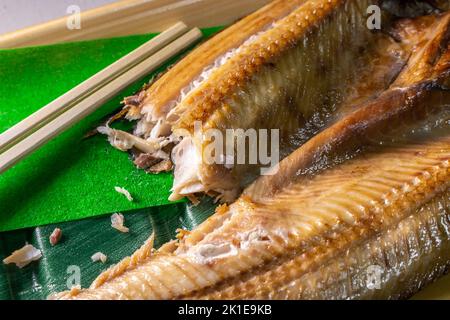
(214,222)
(169,247)
(142,254)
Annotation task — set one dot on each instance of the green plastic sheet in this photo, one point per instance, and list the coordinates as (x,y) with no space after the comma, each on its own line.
(55,271)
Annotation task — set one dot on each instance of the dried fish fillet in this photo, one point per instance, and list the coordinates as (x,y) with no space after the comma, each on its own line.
(413,250)
(281,68)
(370,193)
(265,249)
(420,91)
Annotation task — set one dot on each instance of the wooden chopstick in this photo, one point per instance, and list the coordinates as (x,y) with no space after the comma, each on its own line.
(93,101)
(61,104)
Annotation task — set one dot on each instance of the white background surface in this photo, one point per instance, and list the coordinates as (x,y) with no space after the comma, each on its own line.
(18,14)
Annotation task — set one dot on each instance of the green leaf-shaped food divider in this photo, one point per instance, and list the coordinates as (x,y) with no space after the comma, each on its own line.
(81,239)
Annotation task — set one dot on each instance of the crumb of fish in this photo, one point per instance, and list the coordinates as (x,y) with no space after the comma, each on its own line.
(163,166)
(117,221)
(193,199)
(125,192)
(145,160)
(23,256)
(55,236)
(181,233)
(99,256)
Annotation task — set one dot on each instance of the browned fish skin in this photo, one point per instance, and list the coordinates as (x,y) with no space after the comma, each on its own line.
(169,86)
(443,4)
(418,236)
(306,21)
(414,8)
(415,249)
(421,88)
(385,114)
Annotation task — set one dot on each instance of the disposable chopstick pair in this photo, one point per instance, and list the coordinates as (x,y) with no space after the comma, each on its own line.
(70,108)
(61,104)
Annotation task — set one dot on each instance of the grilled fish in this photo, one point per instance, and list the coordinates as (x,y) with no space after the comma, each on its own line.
(282,67)
(314,239)
(370,193)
